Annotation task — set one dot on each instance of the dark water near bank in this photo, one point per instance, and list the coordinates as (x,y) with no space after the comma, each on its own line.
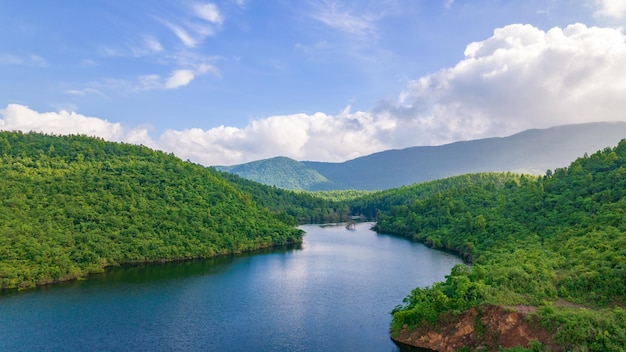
(334,293)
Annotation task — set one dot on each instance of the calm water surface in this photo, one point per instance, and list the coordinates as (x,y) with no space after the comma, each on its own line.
(334,293)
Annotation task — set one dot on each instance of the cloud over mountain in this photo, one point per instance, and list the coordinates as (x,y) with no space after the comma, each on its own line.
(521,77)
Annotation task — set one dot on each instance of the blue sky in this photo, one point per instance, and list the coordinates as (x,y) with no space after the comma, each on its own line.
(231,81)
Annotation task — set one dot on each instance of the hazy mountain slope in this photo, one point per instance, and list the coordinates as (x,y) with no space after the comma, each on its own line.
(281,172)
(531,151)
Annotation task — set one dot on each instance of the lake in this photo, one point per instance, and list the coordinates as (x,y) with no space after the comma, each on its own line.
(332,293)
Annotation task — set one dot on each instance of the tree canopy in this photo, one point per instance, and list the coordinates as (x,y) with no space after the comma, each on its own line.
(74,205)
(531,240)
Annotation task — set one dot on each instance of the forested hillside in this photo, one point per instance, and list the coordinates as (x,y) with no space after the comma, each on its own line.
(305,207)
(370,204)
(557,242)
(281,172)
(74,205)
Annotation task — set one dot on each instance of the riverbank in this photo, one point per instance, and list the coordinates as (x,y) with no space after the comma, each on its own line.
(481,328)
(107,265)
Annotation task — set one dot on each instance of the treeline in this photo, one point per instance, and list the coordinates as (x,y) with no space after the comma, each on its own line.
(340,205)
(74,205)
(371,203)
(306,207)
(541,241)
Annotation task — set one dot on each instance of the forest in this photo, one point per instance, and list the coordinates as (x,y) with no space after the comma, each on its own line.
(556,242)
(305,207)
(75,205)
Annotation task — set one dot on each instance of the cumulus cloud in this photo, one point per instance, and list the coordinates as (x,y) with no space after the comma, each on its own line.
(519,78)
(300,136)
(611,8)
(17,117)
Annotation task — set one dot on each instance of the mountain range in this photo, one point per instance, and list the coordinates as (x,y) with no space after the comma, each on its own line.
(532,151)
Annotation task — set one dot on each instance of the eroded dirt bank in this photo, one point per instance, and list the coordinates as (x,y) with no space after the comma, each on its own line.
(485,327)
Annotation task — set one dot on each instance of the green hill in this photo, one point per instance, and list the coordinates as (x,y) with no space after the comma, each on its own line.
(555,242)
(305,207)
(530,152)
(75,205)
(281,172)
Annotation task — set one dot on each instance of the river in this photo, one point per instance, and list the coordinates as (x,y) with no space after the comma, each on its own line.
(332,293)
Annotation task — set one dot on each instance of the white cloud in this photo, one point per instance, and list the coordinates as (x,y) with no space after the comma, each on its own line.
(179,79)
(192,32)
(149,45)
(208,12)
(191,25)
(182,34)
(611,8)
(519,78)
(300,136)
(315,137)
(152,44)
(195,66)
(76,92)
(17,117)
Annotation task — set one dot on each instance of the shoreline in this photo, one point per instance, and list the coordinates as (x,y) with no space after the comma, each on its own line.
(129,264)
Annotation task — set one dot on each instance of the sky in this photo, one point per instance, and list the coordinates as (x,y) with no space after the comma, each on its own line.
(225,82)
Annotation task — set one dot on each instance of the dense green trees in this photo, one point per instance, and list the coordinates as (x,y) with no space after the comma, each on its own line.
(305,207)
(75,205)
(532,240)
(70,206)
(281,172)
